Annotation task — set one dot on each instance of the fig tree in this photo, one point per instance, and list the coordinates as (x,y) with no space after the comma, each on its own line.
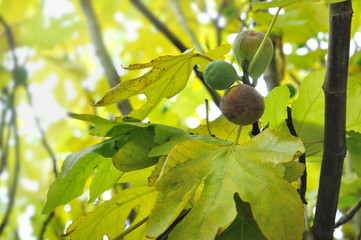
(242,104)
(220,75)
(245,47)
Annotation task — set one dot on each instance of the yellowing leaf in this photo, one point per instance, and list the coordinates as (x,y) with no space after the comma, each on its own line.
(246,169)
(224,129)
(168,76)
(109,218)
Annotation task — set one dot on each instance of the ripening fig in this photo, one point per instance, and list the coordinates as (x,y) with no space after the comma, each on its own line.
(242,104)
(220,75)
(245,47)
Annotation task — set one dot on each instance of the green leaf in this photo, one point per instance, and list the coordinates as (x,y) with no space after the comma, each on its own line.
(222,171)
(244,226)
(278,3)
(66,188)
(106,148)
(134,154)
(308,114)
(104,179)
(168,76)
(275,113)
(165,148)
(35,32)
(291,171)
(109,218)
(354,148)
(353,110)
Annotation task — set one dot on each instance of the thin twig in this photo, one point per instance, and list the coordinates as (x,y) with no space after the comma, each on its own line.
(45,224)
(301,159)
(349,214)
(106,62)
(176,42)
(14,185)
(13,123)
(131,229)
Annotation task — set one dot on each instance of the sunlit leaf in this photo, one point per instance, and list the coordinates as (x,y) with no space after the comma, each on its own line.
(168,76)
(104,179)
(275,113)
(225,170)
(354,149)
(65,189)
(110,217)
(223,129)
(308,113)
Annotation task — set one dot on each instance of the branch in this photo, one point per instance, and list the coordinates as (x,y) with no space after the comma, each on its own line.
(349,214)
(176,42)
(301,159)
(45,224)
(105,60)
(14,185)
(334,148)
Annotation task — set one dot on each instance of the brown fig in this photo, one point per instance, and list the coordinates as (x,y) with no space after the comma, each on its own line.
(245,47)
(242,104)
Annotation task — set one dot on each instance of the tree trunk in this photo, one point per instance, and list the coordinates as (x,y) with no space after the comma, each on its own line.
(335,89)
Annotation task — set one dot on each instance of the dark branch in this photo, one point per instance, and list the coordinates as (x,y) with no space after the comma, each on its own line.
(45,224)
(15,175)
(334,147)
(349,214)
(176,42)
(12,124)
(106,62)
(301,159)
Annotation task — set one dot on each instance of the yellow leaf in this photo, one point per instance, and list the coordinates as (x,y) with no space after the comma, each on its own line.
(168,76)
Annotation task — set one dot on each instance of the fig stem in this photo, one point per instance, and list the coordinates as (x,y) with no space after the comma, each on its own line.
(205,57)
(250,66)
(131,229)
(238,134)
(207,116)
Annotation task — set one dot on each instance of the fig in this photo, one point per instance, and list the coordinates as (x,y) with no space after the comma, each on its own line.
(220,75)
(245,47)
(20,75)
(242,104)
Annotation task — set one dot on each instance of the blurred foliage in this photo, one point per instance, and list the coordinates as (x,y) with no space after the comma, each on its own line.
(57,72)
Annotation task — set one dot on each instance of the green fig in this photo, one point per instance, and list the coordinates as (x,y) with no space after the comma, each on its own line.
(20,75)
(220,75)
(245,47)
(242,105)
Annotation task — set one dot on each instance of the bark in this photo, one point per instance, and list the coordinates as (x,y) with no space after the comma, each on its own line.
(335,89)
